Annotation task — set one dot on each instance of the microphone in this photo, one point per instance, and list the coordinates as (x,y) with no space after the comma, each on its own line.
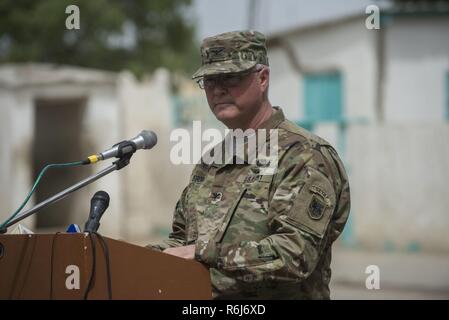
(147,139)
(98,205)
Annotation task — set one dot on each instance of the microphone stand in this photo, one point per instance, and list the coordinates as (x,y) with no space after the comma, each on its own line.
(122,162)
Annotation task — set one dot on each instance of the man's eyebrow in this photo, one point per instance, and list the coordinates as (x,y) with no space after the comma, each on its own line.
(217,76)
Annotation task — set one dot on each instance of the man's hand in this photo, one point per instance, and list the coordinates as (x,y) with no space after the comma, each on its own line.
(186,252)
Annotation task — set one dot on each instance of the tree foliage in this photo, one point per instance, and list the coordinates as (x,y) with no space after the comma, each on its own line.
(139,35)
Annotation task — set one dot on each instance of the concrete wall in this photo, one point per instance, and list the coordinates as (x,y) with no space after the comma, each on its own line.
(399,186)
(417,63)
(15,141)
(151,184)
(397,169)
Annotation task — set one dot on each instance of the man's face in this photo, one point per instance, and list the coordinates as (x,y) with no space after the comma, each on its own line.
(236,98)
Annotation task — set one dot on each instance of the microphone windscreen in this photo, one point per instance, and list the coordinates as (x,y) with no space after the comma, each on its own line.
(149,138)
(101,195)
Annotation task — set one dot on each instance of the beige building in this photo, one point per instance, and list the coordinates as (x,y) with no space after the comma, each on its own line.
(54,114)
(382,98)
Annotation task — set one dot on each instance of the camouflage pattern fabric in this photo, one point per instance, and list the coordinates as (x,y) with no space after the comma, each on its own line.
(267,236)
(232,52)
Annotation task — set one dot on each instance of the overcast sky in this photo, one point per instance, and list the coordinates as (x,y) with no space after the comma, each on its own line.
(216,16)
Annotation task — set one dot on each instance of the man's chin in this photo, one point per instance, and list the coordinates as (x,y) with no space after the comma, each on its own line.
(225,111)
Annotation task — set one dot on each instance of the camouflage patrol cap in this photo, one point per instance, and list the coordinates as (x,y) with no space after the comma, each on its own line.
(231,52)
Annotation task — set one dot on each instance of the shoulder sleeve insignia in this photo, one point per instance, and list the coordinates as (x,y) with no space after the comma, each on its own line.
(316,208)
(198,179)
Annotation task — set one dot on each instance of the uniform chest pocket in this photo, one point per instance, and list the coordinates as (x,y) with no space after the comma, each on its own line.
(249,221)
(256,196)
(195,201)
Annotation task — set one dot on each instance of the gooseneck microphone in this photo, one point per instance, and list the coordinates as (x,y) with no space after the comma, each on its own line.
(98,205)
(147,139)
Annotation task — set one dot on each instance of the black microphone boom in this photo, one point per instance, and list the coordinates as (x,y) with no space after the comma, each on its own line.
(98,205)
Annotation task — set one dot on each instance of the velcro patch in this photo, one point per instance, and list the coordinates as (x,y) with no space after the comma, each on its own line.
(251,179)
(198,179)
(317,190)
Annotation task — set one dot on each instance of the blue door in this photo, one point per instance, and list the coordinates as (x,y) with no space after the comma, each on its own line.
(322,98)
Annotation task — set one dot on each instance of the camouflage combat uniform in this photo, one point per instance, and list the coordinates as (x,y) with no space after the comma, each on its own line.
(267,236)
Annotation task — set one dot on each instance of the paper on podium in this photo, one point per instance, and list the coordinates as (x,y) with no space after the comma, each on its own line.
(20,229)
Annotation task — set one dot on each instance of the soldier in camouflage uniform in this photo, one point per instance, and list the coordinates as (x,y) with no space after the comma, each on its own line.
(265,236)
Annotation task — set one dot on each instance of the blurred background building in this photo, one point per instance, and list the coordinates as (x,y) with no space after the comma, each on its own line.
(380,96)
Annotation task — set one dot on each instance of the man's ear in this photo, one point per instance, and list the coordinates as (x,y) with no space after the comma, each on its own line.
(265,78)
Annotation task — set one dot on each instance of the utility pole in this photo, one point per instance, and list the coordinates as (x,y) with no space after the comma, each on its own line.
(252,13)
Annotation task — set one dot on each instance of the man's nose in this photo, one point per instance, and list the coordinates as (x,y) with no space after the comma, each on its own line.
(219,89)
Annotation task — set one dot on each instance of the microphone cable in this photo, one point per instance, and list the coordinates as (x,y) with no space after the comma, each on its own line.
(105,248)
(92,271)
(36,182)
(52,256)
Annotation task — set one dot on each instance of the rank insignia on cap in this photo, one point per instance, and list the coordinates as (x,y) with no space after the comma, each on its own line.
(316,208)
(217,53)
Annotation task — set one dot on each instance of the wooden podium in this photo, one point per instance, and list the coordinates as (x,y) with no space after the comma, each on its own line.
(59,266)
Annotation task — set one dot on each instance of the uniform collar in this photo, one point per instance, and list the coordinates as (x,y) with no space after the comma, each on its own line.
(276,118)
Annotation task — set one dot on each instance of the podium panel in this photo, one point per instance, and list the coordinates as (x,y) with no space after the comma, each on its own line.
(59,266)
